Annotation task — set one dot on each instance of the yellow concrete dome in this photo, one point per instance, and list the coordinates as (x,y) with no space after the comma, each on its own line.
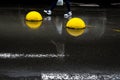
(33,16)
(75,23)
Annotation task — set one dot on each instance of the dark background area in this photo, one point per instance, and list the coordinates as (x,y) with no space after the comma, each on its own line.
(102,3)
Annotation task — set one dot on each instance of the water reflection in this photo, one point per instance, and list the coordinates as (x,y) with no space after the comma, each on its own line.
(75,32)
(33,24)
(48,41)
(51,33)
(57,26)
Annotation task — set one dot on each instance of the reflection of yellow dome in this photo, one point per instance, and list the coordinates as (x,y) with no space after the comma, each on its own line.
(75,23)
(33,16)
(75,32)
(33,24)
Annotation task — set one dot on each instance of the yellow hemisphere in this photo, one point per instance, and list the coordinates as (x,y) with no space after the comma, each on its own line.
(75,23)
(33,16)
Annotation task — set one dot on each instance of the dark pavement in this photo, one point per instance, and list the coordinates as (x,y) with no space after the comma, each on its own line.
(50,51)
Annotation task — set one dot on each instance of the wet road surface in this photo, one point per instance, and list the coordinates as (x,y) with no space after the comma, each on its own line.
(53,51)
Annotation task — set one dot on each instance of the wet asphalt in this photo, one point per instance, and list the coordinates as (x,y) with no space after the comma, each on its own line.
(51,48)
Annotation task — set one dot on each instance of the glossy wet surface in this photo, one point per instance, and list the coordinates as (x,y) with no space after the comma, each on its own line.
(54,50)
